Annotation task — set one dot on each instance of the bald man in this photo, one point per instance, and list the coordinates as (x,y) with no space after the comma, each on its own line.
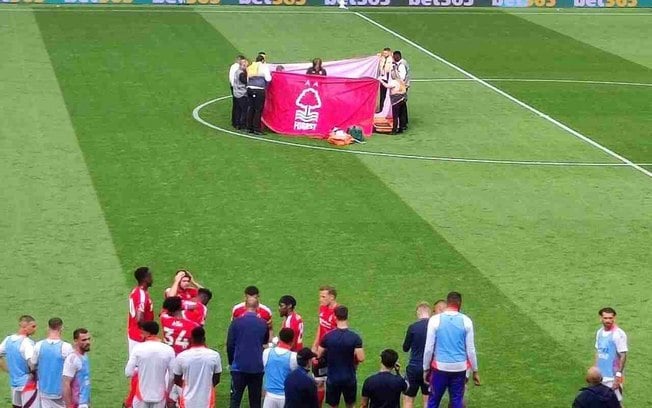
(595,394)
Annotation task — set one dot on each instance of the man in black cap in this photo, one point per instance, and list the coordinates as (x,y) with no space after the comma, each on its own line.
(300,386)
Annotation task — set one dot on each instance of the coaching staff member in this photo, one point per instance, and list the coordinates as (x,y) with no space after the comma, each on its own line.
(300,387)
(247,336)
(384,389)
(343,349)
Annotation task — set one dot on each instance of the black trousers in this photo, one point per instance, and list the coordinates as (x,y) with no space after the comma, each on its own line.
(399,114)
(233,109)
(254,385)
(240,115)
(255,110)
(383,94)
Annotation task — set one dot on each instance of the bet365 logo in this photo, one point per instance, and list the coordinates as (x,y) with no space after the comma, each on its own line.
(523,3)
(358,2)
(273,2)
(605,3)
(441,3)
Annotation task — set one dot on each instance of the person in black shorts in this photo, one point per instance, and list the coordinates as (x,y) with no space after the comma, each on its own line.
(384,389)
(415,342)
(344,352)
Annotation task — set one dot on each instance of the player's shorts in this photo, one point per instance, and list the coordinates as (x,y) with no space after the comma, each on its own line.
(414,377)
(320,369)
(335,391)
(52,403)
(618,391)
(142,404)
(273,401)
(26,397)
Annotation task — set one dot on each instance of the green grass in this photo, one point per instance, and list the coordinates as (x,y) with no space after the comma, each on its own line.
(535,250)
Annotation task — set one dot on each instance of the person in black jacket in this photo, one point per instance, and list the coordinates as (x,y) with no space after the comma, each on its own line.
(300,386)
(596,395)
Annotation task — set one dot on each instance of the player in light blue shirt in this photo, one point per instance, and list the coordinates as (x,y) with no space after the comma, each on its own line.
(449,351)
(48,358)
(17,350)
(77,373)
(611,351)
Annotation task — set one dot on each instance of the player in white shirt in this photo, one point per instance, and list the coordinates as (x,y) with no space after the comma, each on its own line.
(17,351)
(48,358)
(197,371)
(153,360)
(611,351)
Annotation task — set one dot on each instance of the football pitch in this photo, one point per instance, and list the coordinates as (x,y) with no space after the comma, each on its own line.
(524,181)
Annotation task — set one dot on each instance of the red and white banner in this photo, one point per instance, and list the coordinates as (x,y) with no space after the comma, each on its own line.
(298,104)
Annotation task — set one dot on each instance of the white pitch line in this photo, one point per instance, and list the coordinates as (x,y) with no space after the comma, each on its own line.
(198,118)
(564,81)
(510,97)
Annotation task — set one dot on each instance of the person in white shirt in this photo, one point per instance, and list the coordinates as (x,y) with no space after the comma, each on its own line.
(48,358)
(233,69)
(611,351)
(17,350)
(403,69)
(153,360)
(197,371)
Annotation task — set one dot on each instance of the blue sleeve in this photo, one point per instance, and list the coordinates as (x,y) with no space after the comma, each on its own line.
(407,343)
(230,342)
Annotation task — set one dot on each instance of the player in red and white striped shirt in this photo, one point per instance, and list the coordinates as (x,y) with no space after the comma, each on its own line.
(262,311)
(327,321)
(141,309)
(184,286)
(195,310)
(176,329)
(291,320)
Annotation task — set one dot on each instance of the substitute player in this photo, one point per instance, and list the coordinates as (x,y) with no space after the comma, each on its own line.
(196,310)
(176,329)
(291,320)
(154,360)
(611,351)
(48,358)
(197,371)
(327,323)
(141,309)
(17,350)
(184,286)
(77,372)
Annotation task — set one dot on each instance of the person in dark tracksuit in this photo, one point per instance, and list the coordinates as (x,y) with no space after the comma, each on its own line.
(244,345)
(415,343)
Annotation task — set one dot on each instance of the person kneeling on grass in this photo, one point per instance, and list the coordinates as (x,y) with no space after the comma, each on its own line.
(397,96)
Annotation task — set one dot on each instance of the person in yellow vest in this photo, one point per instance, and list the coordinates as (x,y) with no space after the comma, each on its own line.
(397,93)
(258,77)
